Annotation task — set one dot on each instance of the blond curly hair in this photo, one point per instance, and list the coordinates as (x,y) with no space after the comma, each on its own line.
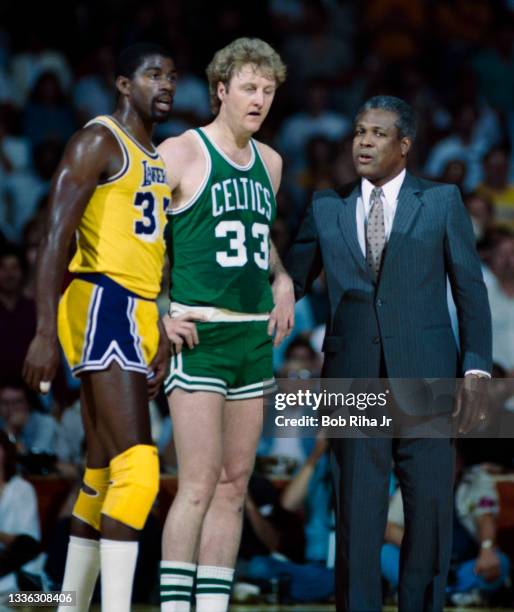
(239,52)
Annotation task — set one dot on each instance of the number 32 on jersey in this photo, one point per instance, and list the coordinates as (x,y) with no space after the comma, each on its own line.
(237,256)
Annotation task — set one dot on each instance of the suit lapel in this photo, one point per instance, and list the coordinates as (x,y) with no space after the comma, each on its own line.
(347,218)
(408,206)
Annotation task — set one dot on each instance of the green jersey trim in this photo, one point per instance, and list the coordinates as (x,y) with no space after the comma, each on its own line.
(245,168)
(205,180)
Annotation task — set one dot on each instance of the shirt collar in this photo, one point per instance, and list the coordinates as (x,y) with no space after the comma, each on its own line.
(391,190)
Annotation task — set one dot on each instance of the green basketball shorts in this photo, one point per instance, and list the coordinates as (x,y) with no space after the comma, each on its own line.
(234,359)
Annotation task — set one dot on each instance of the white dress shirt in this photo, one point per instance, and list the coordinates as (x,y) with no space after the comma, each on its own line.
(390,193)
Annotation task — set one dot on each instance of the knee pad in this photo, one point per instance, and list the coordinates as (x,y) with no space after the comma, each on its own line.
(89,505)
(134,476)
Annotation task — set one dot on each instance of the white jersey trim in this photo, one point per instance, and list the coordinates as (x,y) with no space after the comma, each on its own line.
(245,168)
(265,165)
(201,188)
(126,157)
(216,315)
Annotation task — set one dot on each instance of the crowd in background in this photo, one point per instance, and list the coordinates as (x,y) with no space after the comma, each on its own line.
(453,60)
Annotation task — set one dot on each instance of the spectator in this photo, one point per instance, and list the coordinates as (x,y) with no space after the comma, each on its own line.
(17,314)
(47,115)
(316,120)
(481,211)
(19,522)
(316,51)
(69,442)
(33,60)
(93,93)
(310,492)
(497,185)
(494,67)
(478,566)
(466,142)
(501,299)
(24,190)
(31,431)
(454,173)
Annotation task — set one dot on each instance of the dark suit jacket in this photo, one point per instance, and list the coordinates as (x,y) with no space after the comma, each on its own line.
(403,319)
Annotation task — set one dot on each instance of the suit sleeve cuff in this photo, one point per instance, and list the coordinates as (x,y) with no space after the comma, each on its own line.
(479,372)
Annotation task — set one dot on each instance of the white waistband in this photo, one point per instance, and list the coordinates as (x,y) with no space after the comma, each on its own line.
(216,315)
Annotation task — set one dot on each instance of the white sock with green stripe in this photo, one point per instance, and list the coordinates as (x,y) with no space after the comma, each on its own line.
(213,586)
(176,585)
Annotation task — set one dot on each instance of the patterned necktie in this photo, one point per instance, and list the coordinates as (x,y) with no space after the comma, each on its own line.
(375,232)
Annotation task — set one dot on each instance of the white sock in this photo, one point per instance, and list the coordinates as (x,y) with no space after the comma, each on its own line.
(176,585)
(81,572)
(118,561)
(213,585)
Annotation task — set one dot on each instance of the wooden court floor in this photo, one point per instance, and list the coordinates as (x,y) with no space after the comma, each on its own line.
(263,608)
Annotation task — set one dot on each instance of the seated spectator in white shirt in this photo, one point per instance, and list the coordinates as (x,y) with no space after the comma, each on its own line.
(317,119)
(500,288)
(19,522)
(479,569)
(468,142)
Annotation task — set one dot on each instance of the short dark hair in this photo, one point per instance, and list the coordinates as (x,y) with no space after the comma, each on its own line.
(300,342)
(12,250)
(132,57)
(406,123)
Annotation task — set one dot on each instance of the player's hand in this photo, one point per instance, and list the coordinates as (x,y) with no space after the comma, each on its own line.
(159,364)
(281,320)
(182,330)
(41,362)
(488,565)
(472,403)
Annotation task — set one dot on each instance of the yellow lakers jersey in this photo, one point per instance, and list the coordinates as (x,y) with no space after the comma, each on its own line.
(121,231)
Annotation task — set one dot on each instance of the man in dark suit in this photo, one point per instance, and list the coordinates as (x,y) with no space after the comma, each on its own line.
(388,243)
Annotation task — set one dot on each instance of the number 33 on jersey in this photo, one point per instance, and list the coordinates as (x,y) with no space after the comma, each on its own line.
(218,242)
(121,232)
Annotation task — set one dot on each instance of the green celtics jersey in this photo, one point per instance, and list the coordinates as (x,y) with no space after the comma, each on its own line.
(218,243)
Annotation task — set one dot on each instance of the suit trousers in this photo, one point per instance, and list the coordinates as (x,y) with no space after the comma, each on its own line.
(361,470)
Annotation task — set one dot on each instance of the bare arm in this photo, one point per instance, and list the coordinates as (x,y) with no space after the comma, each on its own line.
(90,155)
(393,534)
(264,529)
(294,494)
(185,166)
(488,561)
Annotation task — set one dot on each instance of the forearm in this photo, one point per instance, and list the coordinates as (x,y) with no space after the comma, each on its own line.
(264,530)
(52,262)
(486,528)
(393,534)
(294,494)
(276,267)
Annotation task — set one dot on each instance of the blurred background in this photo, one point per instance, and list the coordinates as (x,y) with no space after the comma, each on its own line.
(453,60)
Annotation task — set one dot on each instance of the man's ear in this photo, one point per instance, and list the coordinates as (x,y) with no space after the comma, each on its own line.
(123,85)
(221,91)
(405,145)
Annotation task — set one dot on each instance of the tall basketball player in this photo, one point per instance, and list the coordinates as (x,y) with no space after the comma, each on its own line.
(229,295)
(111,189)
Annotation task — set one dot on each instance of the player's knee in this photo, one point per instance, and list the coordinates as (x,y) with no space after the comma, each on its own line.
(88,506)
(199,490)
(234,486)
(134,485)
